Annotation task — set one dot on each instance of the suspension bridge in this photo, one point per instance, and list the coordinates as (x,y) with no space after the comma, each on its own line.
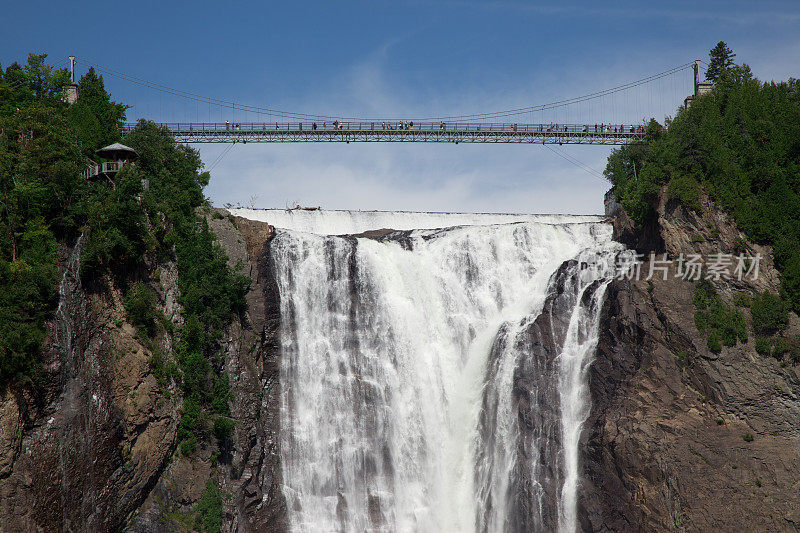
(557,125)
(403,131)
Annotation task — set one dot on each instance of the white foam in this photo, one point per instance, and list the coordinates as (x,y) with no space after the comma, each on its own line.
(384,355)
(325,222)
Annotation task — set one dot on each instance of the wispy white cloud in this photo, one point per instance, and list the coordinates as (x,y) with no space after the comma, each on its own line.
(483,178)
(472,178)
(412,177)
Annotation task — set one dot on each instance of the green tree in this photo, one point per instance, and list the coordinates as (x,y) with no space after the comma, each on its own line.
(45,82)
(209,509)
(36,82)
(740,144)
(721,60)
(39,183)
(97,119)
(27,298)
(770,313)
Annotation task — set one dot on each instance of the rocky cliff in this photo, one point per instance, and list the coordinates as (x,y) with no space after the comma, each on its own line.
(92,447)
(249,471)
(681,438)
(81,450)
(667,445)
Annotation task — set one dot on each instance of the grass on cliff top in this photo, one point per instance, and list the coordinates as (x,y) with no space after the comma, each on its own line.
(741,144)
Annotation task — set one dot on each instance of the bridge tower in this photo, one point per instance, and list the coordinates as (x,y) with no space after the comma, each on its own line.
(700,87)
(71,89)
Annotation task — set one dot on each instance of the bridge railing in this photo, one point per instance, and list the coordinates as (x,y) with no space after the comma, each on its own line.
(398,126)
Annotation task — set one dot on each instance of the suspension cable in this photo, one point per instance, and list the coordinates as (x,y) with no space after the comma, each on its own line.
(309,116)
(575,162)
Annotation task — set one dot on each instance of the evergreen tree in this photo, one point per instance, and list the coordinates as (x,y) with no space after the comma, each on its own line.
(96,118)
(721,61)
(45,82)
(740,144)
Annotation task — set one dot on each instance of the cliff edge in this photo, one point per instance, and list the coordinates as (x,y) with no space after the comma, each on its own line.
(680,437)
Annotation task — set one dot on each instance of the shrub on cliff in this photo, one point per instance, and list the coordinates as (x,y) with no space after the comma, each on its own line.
(140,303)
(770,313)
(209,509)
(685,189)
(724,326)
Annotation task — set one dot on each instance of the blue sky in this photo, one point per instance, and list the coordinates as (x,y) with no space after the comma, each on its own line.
(404,59)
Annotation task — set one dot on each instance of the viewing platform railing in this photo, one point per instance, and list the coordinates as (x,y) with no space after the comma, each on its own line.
(96,169)
(402,131)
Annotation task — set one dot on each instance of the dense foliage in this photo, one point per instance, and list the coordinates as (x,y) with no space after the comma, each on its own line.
(741,145)
(145,216)
(39,184)
(94,115)
(770,314)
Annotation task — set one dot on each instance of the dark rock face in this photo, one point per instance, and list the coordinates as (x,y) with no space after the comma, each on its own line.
(254,364)
(253,476)
(645,240)
(536,397)
(83,452)
(663,448)
(538,475)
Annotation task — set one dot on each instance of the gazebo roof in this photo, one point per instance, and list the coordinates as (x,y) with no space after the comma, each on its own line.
(117,151)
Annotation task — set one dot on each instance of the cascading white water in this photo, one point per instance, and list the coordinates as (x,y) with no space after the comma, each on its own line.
(336,222)
(400,359)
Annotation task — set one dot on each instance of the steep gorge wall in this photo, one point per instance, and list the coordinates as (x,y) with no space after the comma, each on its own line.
(93,447)
(95,451)
(664,447)
(254,477)
(83,452)
(249,472)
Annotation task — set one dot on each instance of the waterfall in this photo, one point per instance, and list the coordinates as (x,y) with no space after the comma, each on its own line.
(434,380)
(336,222)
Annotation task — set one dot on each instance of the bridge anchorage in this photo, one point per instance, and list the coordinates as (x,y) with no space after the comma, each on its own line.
(402,131)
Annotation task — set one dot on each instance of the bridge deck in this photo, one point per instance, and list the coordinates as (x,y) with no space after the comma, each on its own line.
(395,131)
